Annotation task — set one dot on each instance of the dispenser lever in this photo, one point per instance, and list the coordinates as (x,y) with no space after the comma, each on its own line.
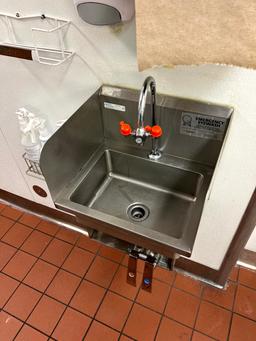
(132,269)
(150,260)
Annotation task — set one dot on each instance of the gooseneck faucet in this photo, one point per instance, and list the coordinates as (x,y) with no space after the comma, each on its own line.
(149,82)
(142,132)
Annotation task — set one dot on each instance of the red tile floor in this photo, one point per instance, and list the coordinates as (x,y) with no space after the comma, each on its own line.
(56,284)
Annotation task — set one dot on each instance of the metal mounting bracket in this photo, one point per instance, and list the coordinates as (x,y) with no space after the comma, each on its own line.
(150,260)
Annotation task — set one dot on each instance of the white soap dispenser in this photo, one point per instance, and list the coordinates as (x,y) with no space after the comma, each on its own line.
(29,135)
(105,12)
(44,133)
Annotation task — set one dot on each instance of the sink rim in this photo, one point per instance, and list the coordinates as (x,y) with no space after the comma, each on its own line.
(88,167)
(90,216)
(128,230)
(118,180)
(91,128)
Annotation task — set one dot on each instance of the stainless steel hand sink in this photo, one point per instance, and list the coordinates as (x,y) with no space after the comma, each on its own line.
(111,186)
(156,204)
(157,196)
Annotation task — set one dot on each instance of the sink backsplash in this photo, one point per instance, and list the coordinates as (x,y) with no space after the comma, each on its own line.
(191,129)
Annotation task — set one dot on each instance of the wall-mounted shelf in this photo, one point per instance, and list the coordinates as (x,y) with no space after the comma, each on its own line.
(46,25)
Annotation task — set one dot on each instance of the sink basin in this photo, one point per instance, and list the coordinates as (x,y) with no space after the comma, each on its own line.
(111,186)
(154,195)
(154,204)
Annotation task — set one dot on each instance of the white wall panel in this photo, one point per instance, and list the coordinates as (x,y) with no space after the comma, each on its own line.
(111,52)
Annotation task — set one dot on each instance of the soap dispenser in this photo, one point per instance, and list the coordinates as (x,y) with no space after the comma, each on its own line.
(30,141)
(105,12)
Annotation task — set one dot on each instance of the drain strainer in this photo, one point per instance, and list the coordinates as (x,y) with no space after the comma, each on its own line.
(138,212)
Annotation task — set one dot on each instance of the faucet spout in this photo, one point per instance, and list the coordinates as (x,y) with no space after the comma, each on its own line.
(141,133)
(148,83)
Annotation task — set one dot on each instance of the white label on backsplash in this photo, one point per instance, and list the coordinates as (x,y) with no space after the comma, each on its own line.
(204,126)
(113,106)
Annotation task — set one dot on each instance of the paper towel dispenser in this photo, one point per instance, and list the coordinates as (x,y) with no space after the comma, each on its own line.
(105,12)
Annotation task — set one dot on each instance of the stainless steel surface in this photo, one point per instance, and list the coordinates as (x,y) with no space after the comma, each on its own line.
(137,212)
(95,174)
(150,260)
(140,133)
(155,154)
(65,153)
(113,180)
(169,112)
(148,83)
(118,180)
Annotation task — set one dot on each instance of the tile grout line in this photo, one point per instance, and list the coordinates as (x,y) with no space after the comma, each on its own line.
(42,293)
(214,304)
(35,256)
(21,281)
(162,314)
(117,294)
(233,306)
(65,241)
(230,325)
(133,304)
(120,264)
(14,222)
(81,280)
(35,228)
(198,309)
(41,216)
(211,303)
(24,324)
(62,240)
(107,289)
(193,295)
(86,250)
(170,318)
(19,248)
(92,318)
(52,237)
(13,219)
(110,326)
(39,257)
(43,219)
(96,254)
(15,253)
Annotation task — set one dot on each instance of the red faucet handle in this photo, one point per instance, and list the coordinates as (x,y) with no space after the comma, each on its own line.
(148,129)
(156,131)
(125,128)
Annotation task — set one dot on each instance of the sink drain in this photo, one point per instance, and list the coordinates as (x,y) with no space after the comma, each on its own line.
(138,212)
